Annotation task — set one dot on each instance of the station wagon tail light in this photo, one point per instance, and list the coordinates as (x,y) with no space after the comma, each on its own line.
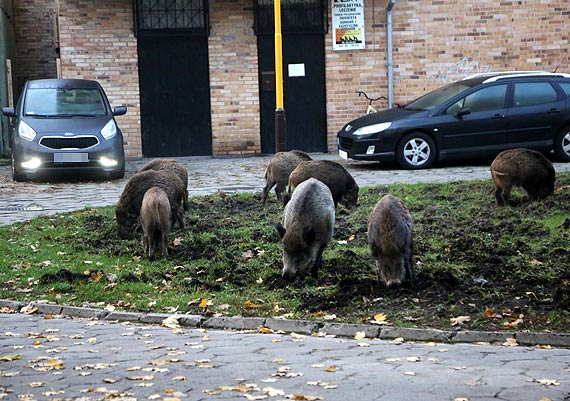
(109,130)
(372,129)
(26,132)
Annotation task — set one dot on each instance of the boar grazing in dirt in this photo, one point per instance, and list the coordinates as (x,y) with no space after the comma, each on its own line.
(524,168)
(343,187)
(278,171)
(390,228)
(176,167)
(307,228)
(128,208)
(156,221)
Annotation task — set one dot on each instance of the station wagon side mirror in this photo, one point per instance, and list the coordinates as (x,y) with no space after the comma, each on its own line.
(119,111)
(463,112)
(9,111)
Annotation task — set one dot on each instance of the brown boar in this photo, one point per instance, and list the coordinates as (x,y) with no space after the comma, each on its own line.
(524,168)
(176,167)
(278,170)
(343,187)
(156,222)
(390,227)
(128,208)
(307,228)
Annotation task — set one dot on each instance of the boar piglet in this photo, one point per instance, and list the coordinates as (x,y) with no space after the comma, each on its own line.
(156,222)
(128,208)
(278,170)
(307,228)
(524,168)
(341,183)
(174,166)
(390,227)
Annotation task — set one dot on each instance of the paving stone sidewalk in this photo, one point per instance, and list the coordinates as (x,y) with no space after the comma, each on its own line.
(79,359)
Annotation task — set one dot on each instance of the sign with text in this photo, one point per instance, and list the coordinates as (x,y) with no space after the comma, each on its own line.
(348,24)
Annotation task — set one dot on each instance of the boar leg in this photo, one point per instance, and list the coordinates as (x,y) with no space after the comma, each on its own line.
(266,189)
(164,243)
(318,263)
(500,196)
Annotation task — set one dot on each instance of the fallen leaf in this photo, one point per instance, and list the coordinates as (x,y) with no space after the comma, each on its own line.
(379,317)
(171,322)
(137,378)
(458,321)
(265,330)
(360,335)
(547,382)
(251,305)
(511,342)
(9,358)
(410,373)
(177,241)
(331,369)
(29,309)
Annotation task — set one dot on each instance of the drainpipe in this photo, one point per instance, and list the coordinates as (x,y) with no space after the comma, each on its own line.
(390,60)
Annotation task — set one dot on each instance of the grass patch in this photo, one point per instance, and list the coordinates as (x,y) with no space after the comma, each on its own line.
(507,268)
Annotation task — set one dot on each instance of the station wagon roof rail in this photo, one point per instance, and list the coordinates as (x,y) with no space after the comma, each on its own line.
(498,73)
(532,74)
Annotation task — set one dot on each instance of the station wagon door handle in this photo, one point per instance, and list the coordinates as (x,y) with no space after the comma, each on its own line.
(498,116)
(554,110)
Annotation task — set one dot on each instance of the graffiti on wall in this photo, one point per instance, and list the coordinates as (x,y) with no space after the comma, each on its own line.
(462,68)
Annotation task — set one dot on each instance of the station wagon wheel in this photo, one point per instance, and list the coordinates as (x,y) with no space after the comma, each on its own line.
(416,151)
(562,145)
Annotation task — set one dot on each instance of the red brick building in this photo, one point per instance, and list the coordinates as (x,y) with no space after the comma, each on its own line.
(199,79)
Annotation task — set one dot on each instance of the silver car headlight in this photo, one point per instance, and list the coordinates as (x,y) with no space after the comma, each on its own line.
(372,129)
(26,132)
(109,130)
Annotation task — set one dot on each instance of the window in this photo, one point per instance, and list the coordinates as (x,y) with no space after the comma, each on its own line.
(531,93)
(169,15)
(490,98)
(566,88)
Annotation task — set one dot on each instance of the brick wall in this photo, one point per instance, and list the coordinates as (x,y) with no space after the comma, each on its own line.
(36,41)
(234,91)
(439,41)
(434,41)
(97,42)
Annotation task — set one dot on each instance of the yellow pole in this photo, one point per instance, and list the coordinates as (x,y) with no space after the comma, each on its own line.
(278,55)
(280,145)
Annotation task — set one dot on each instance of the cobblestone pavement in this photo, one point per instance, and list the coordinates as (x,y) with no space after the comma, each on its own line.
(79,359)
(22,201)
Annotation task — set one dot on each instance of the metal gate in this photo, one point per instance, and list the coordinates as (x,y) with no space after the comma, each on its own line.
(172,41)
(304,25)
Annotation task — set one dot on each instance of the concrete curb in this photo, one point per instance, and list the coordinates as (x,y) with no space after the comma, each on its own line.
(306,327)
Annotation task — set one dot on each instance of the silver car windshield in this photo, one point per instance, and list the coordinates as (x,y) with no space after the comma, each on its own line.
(54,102)
(437,97)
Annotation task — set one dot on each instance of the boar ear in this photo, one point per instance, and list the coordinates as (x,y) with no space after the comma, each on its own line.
(309,235)
(280,230)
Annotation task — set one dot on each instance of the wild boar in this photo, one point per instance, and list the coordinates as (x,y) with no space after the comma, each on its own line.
(524,168)
(176,167)
(278,170)
(156,222)
(390,228)
(128,208)
(307,228)
(343,187)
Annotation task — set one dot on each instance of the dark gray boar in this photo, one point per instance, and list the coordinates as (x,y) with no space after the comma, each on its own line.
(307,228)
(524,168)
(390,227)
(156,222)
(278,170)
(342,185)
(173,165)
(128,208)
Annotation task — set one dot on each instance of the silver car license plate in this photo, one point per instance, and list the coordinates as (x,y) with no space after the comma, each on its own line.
(71,157)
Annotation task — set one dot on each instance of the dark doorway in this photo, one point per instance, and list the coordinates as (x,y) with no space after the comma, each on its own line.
(174,78)
(303,26)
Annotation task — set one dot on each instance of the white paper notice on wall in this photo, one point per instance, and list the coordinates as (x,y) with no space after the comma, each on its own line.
(296,70)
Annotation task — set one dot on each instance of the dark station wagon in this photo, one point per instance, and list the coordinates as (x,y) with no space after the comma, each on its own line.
(65,126)
(476,117)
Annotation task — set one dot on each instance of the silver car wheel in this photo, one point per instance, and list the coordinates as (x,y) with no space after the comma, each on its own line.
(565,145)
(417,151)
